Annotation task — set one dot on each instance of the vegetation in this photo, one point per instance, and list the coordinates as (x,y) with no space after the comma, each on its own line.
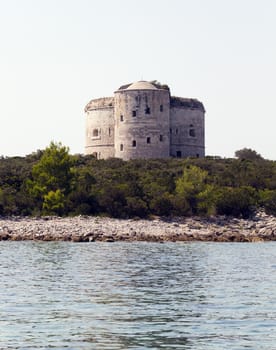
(248,153)
(53,182)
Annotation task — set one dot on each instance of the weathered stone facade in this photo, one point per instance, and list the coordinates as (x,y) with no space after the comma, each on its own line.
(142,120)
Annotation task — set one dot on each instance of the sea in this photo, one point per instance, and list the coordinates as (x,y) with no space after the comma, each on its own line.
(197,295)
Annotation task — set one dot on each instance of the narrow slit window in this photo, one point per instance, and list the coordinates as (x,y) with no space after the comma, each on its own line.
(161,108)
(109,131)
(121,118)
(121,147)
(161,138)
(134,143)
(176,131)
(148,140)
(95,133)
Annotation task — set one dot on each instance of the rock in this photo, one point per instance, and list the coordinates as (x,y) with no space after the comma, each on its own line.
(90,229)
(257,239)
(75,238)
(109,239)
(4,236)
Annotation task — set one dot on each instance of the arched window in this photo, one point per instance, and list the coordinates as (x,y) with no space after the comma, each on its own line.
(134,143)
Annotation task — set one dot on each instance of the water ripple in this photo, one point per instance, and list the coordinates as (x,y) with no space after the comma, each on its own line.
(59,295)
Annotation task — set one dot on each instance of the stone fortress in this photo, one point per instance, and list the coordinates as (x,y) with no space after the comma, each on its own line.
(143,120)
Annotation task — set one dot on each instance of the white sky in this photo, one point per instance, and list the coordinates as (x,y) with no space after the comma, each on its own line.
(56,55)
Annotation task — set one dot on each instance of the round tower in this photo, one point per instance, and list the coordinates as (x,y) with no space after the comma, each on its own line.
(187,128)
(99,129)
(142,121)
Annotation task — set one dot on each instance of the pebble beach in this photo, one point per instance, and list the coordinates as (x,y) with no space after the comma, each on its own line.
(261,227)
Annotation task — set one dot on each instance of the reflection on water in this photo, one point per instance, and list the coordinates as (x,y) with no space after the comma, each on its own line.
(137,296)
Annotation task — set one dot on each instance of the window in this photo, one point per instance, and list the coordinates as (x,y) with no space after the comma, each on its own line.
(121,118)
(161,108)
(148,139)
(109,131)
(170,130)
(134,113)
(178,154)
(95,154)
(134,143)
(176,131)
(147,110)
(192,133)
(95,132)
(161,138)
(121,147)
(197,155)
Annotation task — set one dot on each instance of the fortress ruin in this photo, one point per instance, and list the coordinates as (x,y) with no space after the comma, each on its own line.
(143,120)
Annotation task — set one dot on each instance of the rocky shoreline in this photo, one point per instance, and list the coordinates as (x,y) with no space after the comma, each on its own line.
(261,227)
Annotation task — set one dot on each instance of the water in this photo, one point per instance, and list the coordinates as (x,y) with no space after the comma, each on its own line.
(60,295)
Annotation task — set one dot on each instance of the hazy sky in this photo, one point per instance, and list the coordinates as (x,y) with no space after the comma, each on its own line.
(56,55)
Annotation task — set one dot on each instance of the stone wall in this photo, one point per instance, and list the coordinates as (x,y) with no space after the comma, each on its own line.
(187,131)
(99,138)
(142,124)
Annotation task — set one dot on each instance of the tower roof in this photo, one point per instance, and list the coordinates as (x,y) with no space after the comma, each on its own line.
(141,85)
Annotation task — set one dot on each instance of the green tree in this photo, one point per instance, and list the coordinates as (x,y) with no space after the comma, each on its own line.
(113,201)
(248,153)
(52,176)
(207,199)
(192,181)
(53,203)
(268,201)
(191,184)
(81,200)
(162,205)
(136,207)
(238,202)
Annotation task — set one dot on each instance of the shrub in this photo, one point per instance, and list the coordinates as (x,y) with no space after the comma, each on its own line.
(238,202)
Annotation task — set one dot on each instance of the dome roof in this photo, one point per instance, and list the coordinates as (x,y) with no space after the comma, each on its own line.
(141,85)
